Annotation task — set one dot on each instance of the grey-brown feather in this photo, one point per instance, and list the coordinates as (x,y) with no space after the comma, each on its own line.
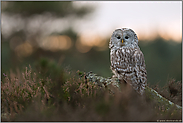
(128,64)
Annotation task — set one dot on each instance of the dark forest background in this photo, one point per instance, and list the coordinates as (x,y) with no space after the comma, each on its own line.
(163,58)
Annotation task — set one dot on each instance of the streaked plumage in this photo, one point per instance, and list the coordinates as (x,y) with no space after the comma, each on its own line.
(127,60)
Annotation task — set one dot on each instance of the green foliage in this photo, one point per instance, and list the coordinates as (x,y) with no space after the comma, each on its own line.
(163,60)
(161,65)
(51,93)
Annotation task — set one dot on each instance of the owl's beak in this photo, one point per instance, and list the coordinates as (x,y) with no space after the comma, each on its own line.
(122,41)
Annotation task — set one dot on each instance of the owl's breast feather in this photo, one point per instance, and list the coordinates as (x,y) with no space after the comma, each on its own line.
(126,58)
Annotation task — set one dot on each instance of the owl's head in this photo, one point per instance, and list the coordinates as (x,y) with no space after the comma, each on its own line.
(123,37)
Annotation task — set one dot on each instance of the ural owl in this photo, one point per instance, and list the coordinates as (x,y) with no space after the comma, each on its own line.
(127,60)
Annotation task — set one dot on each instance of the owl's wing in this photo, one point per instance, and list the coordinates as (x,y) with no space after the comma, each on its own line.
(138,60)
(140,70)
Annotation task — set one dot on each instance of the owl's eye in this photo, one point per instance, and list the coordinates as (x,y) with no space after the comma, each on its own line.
(126,37)
(118,37)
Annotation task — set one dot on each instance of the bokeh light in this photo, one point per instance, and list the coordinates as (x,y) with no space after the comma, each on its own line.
(24,50)
(55,43)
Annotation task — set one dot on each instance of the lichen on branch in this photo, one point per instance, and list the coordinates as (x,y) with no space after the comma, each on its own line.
(149,92)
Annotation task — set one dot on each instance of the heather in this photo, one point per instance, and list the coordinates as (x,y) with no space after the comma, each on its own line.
(50,92)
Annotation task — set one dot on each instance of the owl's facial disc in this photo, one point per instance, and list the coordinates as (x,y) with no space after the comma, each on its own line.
(123,38)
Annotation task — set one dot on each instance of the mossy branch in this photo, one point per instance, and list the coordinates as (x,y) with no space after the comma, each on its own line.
(149,92)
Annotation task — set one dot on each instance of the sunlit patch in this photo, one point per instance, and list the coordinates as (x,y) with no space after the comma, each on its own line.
(103,45)
(88,40)
(146,35)
(172,32)
(56,43)
(24,50)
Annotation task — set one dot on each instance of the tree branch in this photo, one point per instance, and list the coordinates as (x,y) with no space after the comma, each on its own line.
(149,92)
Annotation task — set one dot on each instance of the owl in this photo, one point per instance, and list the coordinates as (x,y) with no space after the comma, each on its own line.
(127,60)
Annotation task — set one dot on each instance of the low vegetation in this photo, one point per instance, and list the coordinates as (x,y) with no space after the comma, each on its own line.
(48,92)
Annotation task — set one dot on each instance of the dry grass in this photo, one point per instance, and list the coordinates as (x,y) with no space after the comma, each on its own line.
(171,91)
(18,91)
